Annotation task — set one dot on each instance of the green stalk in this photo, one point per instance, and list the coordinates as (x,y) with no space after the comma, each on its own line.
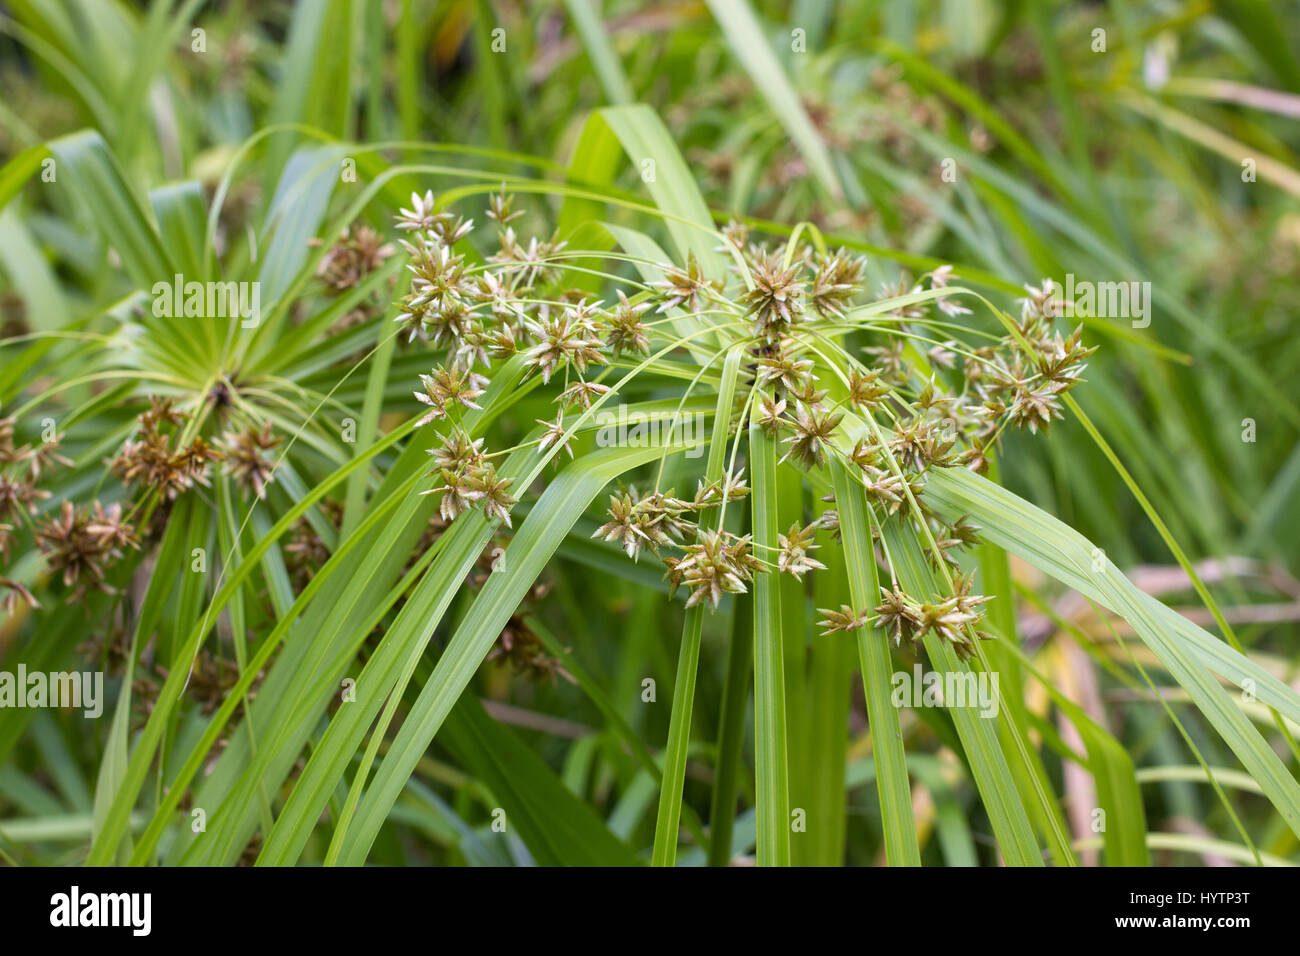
(773,793)
(731,732)
(679,731)
(679,727)
(794,651)
(368,428)
(830,676)
(995,571)
(892,782)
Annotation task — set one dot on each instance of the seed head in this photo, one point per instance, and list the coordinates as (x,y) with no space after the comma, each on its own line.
(626,331)
(776,301)
(244,457)
(845,619)
(686,288)
(794,558)
(446,388)
(813,428)
(836,281)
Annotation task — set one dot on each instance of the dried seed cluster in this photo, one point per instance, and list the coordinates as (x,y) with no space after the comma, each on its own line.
(162,460)
(79,544)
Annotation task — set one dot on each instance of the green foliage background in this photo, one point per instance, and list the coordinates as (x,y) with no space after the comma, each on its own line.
(134,147)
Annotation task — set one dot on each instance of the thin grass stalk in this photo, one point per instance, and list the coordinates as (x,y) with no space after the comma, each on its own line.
(771,767)
(731,731)
(679,727)
(892,784)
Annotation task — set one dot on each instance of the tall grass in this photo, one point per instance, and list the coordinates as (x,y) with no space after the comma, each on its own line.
(732,217)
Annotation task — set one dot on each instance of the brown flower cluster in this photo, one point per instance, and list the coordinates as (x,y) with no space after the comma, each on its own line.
(97,537)
(80,544)
(156,458)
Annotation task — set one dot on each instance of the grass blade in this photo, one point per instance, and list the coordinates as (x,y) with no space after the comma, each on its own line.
(770,759)
(892,783)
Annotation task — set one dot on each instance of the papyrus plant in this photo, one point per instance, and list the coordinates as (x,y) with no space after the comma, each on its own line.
(775,330)
(848,433)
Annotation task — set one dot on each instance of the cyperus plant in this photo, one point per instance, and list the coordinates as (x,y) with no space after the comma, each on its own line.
(356,498)
(908,396)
